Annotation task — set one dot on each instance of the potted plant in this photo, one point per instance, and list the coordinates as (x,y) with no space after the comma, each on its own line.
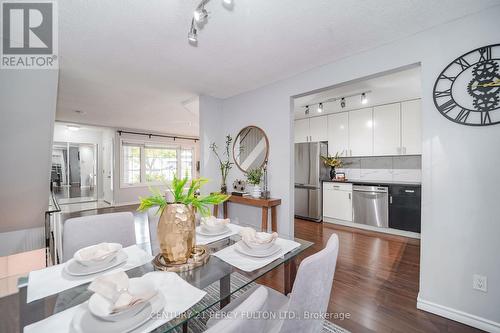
(333,162)
(176,227)
(224,163)
(254,176)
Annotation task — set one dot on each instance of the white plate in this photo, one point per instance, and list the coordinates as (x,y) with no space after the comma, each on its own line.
(72,267)
(113,249)
(84,322)
(242,248)
(100,306)
(206,233)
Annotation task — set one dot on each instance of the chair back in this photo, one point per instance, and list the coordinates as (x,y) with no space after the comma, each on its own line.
(84,231)
(241,320)
(153,219)
(311,289)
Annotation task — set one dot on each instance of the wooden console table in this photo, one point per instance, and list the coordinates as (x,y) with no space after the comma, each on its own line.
(265,204)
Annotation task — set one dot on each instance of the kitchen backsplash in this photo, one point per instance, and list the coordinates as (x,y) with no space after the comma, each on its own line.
(383,168)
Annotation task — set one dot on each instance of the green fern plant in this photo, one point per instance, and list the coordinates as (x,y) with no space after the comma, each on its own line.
(188,197)
(254,176)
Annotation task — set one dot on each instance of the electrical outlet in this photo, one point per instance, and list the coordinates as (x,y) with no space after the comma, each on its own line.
(480,282)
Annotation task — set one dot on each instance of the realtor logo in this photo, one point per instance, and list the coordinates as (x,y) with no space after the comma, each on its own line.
(29,35)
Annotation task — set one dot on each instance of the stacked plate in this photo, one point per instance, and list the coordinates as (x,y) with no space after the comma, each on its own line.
(257,244)
(212,226)
(100,315)
(96,258)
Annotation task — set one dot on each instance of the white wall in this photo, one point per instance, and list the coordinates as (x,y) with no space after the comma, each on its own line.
(460,211)
(27,111)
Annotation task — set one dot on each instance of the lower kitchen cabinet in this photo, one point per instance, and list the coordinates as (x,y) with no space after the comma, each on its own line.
(405,207)
(337,201)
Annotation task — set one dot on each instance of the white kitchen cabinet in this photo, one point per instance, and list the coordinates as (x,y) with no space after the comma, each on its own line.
(338,134)
(361,132)
(411,128)
(337,201)
(387,130)
(301,130)
(318,129)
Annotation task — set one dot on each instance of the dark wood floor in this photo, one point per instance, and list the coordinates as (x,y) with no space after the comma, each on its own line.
(376,281)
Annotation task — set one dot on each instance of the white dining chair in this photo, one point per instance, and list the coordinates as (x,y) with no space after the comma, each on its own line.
(241,318)
(80,232)
(310,294)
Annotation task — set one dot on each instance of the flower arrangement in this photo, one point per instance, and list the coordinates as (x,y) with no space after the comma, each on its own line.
(181,195)
(224,162)
(254,176)
(332,161)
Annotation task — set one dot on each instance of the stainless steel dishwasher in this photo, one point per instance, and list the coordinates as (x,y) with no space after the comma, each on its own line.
(371,205)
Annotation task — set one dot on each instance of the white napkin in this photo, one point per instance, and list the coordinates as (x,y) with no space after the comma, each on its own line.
(97,252)
(247,263)
(51,280)
(115,288)
(203,240)
(253,238)
(212,221)
(179,297)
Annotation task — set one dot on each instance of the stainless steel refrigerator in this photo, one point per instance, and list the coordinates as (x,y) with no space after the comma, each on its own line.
(309,174)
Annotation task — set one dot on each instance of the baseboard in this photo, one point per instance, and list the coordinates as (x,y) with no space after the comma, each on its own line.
(457,315)
(371,228)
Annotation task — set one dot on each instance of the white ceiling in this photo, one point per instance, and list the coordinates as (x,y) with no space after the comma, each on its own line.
(393,87)
(127,63)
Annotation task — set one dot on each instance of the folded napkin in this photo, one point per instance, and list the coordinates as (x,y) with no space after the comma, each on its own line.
(253,238)
(97,252)
(203,240)
(212,221)
(115,288)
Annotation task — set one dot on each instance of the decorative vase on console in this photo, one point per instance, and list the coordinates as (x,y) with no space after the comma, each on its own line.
(333,162)
(224,163)
(254,177)
(176,227)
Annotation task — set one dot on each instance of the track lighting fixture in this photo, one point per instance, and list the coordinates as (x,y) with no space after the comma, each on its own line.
(193,33)
(364,100)
(342,102)
(307,110)
(227,2)
(200,15)
(320,107)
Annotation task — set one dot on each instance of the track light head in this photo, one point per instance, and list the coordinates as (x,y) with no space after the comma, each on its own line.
(364,100)
(307,110)
(200,14)
(342,102)
(320,107)
(193,34)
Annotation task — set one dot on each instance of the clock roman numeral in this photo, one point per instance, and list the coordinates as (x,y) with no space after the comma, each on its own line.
(485,54)
(462,116)
(485,118)
(444,93)
(462,63)
(447,106)
(444,77)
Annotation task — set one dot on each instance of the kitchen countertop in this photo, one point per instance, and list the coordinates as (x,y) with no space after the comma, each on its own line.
(374,182)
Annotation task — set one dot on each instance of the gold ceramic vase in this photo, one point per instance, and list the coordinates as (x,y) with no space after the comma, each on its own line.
(176,233)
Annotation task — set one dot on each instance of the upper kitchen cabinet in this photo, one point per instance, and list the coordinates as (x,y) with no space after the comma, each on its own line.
(318,127)
(311,130)
(387,130)
(361,132)
(411,128)
(338,134)
(302,130)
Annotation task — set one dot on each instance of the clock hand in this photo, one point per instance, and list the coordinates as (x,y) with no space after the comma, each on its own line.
(495,83)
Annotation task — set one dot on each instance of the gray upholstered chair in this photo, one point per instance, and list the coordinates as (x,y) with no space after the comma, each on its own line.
(153,219)
(310,293)
(84,231)
(240,321)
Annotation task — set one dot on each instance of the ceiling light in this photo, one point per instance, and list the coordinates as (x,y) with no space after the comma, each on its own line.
(364,100)
(73,128)
(200,14)
(342,102)
(320,107)
(307,110)
(193,34)
(227,2)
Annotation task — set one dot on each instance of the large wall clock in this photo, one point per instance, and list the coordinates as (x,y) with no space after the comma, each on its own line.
(468,90)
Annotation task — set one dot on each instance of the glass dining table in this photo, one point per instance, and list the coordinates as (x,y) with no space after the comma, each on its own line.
(219,279)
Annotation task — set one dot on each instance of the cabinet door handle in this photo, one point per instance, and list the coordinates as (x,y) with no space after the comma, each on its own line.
(390,199)
(349,196)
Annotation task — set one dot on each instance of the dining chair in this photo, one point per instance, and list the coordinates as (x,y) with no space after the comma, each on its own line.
(310,294)
(240,319)
(153,219)
(80,232)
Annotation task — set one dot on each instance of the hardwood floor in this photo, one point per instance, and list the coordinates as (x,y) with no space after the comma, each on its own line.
(376,281)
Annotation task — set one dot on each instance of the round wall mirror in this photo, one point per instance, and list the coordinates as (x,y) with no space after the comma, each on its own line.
(251,148)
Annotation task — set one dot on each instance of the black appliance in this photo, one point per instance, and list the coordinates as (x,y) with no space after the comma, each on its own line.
(404,207)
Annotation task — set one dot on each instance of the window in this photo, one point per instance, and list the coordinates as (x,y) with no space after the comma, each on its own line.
(161,164)
(132,164)
(144,163)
